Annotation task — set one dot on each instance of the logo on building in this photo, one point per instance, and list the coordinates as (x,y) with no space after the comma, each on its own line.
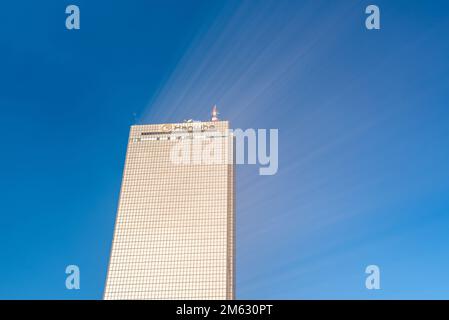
(166,128)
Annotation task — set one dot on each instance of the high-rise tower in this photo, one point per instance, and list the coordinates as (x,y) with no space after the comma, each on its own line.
(174,231)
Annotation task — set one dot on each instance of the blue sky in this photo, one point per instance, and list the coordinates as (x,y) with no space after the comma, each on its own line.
(363,137)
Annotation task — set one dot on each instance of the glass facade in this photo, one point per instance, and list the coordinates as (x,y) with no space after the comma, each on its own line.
(174,231)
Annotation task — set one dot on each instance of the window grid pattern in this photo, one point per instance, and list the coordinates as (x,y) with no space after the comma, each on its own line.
(174,231)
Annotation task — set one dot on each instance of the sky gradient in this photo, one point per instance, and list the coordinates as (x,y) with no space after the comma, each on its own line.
(363,121)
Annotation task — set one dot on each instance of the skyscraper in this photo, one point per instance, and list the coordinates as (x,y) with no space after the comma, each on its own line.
(174,231)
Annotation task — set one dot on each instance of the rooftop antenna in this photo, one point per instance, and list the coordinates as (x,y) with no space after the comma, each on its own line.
(214,113)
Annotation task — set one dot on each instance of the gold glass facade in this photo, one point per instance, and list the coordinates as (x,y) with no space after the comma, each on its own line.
(174,231)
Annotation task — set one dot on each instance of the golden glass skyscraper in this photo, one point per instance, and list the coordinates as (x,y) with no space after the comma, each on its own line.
(174,231)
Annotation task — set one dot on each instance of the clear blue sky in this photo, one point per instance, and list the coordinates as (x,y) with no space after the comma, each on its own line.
(363,121)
